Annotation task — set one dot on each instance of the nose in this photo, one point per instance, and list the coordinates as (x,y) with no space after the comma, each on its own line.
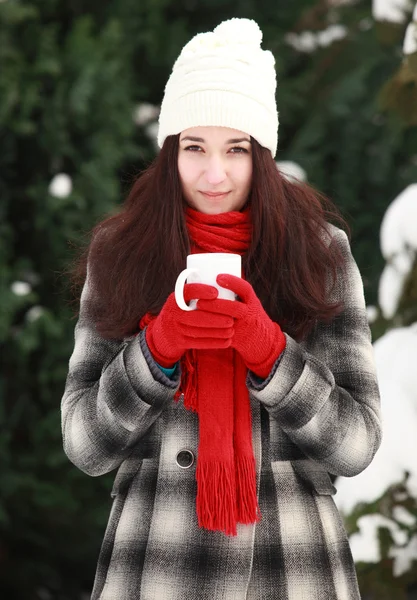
(215,171)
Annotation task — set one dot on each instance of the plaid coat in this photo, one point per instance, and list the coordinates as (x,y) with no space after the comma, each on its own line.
(317,413)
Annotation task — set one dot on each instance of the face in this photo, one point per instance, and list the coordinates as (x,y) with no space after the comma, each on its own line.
(215,168)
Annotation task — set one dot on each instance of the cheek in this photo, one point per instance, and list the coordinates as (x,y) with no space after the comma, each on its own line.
(245,176)
(187,170)
(188,174)
(181,169)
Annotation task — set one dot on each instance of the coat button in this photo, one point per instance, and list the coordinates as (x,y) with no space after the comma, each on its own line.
(185,459)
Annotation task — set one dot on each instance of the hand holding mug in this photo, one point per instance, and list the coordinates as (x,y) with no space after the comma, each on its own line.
(257,338)
(175,330)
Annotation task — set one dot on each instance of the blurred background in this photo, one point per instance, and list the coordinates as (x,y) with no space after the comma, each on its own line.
(80,86)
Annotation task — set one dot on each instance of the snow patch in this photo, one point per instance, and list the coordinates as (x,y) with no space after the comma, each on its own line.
(372,313)
(398,239)
(394,11)
(308,41)
(291,170)
(410,39)
(60,186)
(144,113)
(21,288)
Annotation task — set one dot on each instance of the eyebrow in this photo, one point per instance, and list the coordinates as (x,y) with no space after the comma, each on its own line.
(202,141)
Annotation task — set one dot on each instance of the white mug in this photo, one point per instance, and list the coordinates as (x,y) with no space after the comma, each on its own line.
(204,268)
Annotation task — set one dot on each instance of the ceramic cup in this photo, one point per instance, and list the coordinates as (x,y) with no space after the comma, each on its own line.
(204,268)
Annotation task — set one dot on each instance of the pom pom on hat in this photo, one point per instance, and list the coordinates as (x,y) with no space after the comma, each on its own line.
(223,78)
(240,31)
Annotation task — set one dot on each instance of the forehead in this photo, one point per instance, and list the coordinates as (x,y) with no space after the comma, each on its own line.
(215,134)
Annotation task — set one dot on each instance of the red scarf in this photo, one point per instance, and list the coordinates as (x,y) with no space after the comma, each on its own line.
(214,385)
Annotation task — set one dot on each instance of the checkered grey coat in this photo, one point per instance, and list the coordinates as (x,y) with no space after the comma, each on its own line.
(317,413)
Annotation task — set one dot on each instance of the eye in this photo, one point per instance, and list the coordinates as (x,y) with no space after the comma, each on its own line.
(193,148)
(238,150)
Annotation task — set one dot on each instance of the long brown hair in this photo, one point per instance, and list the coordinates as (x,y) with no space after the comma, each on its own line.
(135,256)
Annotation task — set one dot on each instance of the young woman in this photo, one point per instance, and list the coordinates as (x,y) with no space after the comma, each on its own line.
(226,421)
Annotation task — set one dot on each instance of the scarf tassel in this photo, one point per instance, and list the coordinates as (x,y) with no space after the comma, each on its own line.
(246,498)
(216,496)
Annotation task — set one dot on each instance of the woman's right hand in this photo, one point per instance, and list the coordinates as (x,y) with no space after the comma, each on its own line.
(175,330)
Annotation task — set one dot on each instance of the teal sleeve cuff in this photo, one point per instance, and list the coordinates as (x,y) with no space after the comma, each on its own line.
(168,372)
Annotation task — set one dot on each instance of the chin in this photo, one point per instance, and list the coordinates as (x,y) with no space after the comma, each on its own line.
(216,210)
(209,210)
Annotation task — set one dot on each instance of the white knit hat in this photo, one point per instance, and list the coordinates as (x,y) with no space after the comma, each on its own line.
(223,78)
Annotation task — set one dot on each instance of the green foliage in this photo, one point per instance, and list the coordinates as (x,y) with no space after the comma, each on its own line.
(337,128)
(71,75)
(379,580)
(66,100)
(400,93)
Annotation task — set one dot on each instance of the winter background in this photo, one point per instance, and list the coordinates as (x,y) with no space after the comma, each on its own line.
(80,89)
(390,482)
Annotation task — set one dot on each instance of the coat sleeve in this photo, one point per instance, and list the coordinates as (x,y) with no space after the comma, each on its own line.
(324,391)
(114,393)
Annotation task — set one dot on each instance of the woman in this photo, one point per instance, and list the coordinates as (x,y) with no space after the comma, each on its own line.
(276,389)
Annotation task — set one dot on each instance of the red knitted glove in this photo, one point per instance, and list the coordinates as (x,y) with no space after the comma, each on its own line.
(257,338)
(175,330)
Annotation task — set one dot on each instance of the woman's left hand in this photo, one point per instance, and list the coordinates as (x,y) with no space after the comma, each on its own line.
(257,338)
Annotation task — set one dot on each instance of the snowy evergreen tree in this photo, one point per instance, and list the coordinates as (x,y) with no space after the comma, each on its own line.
(66,100)
(380,505)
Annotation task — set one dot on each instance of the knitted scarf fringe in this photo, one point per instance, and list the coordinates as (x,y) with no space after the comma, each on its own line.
(216,496)
(247,510)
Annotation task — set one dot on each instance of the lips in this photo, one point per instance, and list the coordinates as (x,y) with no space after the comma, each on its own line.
(214,194)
